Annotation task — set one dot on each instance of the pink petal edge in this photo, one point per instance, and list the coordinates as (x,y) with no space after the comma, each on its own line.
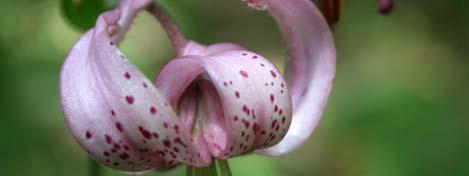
(311,67)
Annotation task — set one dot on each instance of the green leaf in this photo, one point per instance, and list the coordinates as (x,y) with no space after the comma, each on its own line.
(82,13)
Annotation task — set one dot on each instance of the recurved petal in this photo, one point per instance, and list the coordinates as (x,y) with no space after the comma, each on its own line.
(116,113)
(311,66)
(245,101)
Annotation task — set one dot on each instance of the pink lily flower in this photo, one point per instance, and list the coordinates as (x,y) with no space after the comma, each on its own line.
(216,101)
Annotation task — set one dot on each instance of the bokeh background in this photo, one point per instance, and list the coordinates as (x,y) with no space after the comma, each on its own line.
(399,106)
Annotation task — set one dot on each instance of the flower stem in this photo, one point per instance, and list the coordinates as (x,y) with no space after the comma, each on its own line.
(93,167)
(178,41)
(224,167)
(217,168)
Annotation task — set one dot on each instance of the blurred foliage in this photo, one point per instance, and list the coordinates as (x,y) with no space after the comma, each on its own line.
(399,105)
(82,13)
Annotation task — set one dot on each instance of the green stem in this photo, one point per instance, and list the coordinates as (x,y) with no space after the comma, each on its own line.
(224,167)
(217,168)
(93,167)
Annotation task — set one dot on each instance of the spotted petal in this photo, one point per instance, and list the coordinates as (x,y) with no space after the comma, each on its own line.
(116,113)
(244,100)
(311,66)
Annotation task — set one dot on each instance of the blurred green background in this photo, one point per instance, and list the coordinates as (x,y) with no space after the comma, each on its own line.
(398,108)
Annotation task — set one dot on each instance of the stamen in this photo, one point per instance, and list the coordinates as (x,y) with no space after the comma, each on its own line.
(385,6)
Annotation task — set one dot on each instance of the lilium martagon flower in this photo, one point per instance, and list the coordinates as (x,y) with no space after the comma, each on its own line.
(207,105)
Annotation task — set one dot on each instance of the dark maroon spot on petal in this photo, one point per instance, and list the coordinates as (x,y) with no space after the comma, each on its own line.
(242,133)
(225,83)
(244,73)
(129,99)
(231,148)
(272,83)
(167,143)
(165,125)
(272,138)
(255,127)
(173,155)
(254,57)
(273,73)
(176,149)
(126,147)
(111,43)
(145,132)
(113,113)
(275,108)
(235,118)
(274,123)
(106,153)
(113,150)
(155,135)
(280,112)
(247,137)
(117,146)
(127,75)
(277,127)
(244,54)
(116,164)
(145,85)
(282,85)
(176,128)
(281,91)
(272,98)
(153,110)
(162,154)
(124,156)
(263,132)
(262,65)
(284,119)
(119,126)
(108,138)
(266,84)
(237,94)
(246,124)
(231,82)
(88,135)
(246,110)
